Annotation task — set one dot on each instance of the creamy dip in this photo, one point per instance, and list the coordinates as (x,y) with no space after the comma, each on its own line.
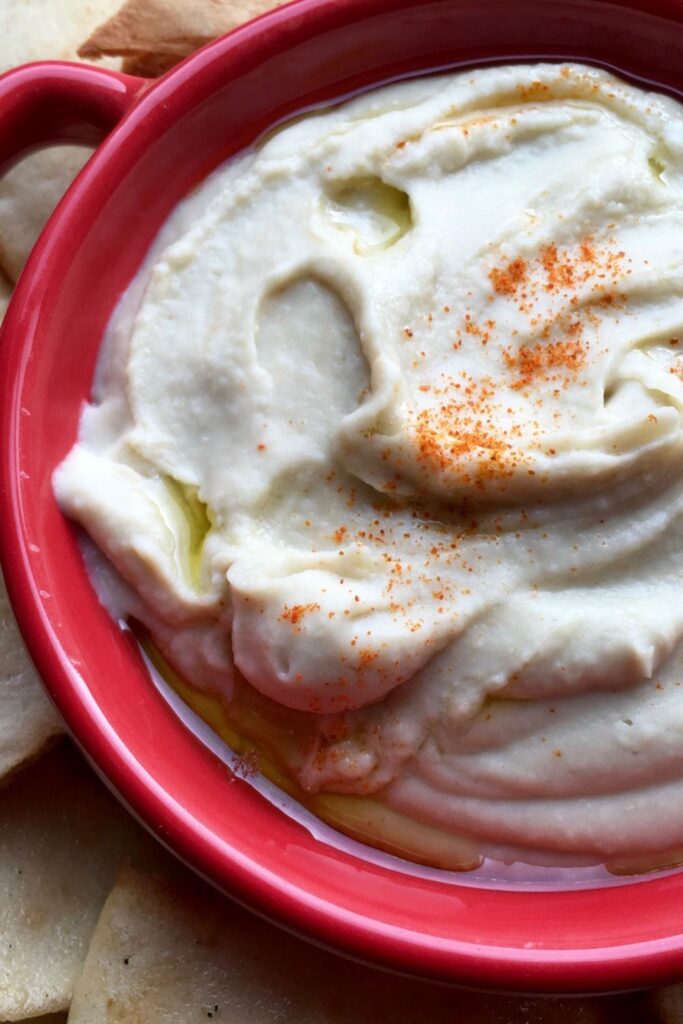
(387,439)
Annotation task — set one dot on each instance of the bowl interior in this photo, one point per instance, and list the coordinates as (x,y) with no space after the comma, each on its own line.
(309,53)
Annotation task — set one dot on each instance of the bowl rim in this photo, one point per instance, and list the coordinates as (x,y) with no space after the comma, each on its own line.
(522,968)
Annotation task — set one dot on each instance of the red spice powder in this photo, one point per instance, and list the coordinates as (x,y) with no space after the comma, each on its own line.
(366,656)
(560,269)
(536,90)
(458,433)
(339,534)
(296,612)
(506,280)
(559,272)
(537,362)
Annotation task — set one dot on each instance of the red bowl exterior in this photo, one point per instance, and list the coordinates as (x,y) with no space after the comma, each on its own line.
(179,129)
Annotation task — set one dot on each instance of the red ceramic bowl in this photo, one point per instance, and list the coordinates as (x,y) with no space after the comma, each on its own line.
(165,138)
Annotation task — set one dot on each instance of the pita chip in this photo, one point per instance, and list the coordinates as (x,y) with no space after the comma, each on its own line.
(62,839)
(168,30)
(28,195)
(168,949)
(28,721)
(40,30)
(47,29)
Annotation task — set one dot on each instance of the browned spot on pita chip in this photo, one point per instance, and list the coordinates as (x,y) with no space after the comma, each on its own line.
(148,65)
(169,28)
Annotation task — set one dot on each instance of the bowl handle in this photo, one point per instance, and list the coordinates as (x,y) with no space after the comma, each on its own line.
(54,102)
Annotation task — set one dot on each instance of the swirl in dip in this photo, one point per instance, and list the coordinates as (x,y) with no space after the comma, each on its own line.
(387,440)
